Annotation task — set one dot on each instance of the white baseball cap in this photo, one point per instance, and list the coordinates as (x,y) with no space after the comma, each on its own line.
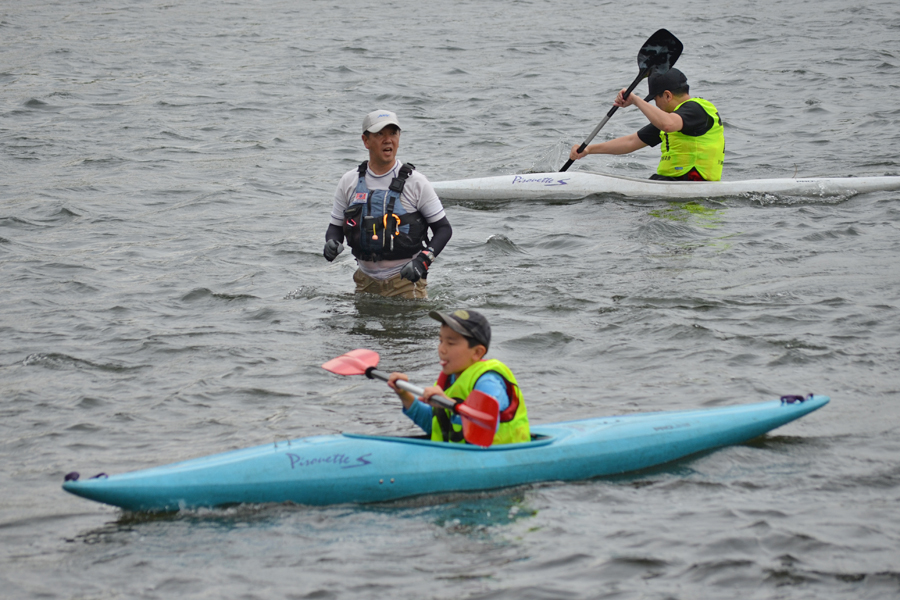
(377,120)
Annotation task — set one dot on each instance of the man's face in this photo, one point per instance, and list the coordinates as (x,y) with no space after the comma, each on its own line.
(665,101)
(383,145)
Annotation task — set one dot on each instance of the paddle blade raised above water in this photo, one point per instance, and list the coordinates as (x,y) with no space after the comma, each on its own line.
(659,53)
(354,362)
(480,414)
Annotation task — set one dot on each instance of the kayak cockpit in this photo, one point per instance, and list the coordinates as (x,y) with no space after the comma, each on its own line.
(421,440)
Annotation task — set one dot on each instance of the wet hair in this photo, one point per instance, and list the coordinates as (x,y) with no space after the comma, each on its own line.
(473,342)
(469,339)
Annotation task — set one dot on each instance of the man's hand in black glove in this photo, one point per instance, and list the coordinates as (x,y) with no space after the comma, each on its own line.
(417,268)
(332,249)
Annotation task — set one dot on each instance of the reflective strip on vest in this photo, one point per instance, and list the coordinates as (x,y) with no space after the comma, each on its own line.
(510,432)
(706,152)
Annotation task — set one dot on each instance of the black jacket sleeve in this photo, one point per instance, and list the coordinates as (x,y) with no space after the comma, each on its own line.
(334,232)
(441,234)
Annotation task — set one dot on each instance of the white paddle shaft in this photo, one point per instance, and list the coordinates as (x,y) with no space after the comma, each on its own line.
(411,388)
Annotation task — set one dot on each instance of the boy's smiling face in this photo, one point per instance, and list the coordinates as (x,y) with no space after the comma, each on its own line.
(454,352)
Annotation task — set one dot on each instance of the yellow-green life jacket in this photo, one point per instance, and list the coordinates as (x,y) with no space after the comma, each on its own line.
(513,421)
(705,152)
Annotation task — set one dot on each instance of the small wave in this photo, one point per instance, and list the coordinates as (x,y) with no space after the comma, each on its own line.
(883,479)
(301,293)
(819,236)
(795,344)
(503,244)
(561,241)
(889,579)
(205,293)
(66,213)
(265,314)
(797,357)
(36,104)
(543,341)
(63,215)
(87,427)
(341,69)
(18,223)
(64,362)
(765,199)
(639,563)
(704,570)
(99,161)
(88,402)
(177,136)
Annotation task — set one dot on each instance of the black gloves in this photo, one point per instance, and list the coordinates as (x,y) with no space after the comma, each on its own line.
(414,270)
(417,268)
(332,249)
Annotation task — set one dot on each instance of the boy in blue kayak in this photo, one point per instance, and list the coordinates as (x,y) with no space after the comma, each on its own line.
(463,341)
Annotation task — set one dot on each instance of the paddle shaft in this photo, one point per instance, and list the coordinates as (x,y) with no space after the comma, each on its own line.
(611,112)
(411,388)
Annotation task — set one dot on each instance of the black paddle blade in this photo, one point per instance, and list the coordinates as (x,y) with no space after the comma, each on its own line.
(659,53)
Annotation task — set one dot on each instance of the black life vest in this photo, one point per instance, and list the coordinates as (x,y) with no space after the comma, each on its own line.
(376,224)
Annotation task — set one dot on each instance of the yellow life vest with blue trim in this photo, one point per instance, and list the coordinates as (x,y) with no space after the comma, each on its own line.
(706,152)
(513,421)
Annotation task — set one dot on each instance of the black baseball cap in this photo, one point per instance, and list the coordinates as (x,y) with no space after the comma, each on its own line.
(670,80)
(467,323)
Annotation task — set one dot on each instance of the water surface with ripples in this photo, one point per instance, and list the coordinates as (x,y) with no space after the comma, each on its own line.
(168,169)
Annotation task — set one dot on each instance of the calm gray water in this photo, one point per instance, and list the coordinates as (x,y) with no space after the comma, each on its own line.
(167,174)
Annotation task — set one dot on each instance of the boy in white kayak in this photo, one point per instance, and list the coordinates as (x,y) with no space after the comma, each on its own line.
(688,129)
(464,339)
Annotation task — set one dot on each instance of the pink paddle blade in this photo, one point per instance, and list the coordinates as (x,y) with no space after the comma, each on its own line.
(480,414)
(354,362)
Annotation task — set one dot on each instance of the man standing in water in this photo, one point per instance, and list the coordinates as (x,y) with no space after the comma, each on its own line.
(689,129)
(385,208)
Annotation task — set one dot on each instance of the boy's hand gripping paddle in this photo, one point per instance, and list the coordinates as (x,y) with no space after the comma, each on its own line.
(480,412)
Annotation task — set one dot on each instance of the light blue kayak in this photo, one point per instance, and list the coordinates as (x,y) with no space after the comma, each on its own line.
(335,469)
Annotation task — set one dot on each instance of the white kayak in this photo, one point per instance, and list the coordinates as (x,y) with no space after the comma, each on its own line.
(580,184)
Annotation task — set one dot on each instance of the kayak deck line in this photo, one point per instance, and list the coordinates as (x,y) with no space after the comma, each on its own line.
(581,184)
(354,468)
